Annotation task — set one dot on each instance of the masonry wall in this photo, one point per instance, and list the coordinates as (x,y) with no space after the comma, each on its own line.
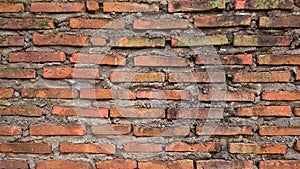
(149,84)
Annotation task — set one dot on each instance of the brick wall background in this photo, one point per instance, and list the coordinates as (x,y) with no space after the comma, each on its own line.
(148,84)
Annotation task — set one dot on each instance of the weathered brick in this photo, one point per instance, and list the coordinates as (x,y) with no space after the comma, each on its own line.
(117,163)
(223,95)
(59,40)
(10,131)
(113,129)
(195,6)
(98,41)
(217,164)
(57,130)
(279,131)
(129,7)
(281,95)
(297,111)
(71,73)
(266,77)
(298,75)
(16,73)
(21,111)
(274,111)
(92,5)
(278,59)
(223,130)
(62,164)
(137,42)
(186,41)
(97,23)
(222,21)
(26,23)
(6,93)
(37,57)
(197,77)
(25,147)
(137,113)
(161,131)
(297,145)
(160,24)
(11,40)
(107,94)
(52,93)
(80,111)
(11,7)
(93,148)
(248,148)
(239,59)
(195,113)
(13,164)
(196,147)
(164,95)
(56,7)
(142,147)
(261,40)
(161,61)
(263,5)
(101,59)
(279,164)
(279,22)
(137,77)
(178,164)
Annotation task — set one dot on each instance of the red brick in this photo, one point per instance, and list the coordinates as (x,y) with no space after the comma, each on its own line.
(10,131)
(57,130)
(11,7)
(298,75)
(26,23)
(129,7)
(278,59)
(261,40)
(16,73)
(195,113)
(279,164)
(281,95)
(11,40)
(248,148)
(161,61)
(142,147)
(223,130)
(210,40)
(217,164)
(113,129)
(117,164)
(52,93)
(195,6)
(265,77)
(137,113)
(80,111)
(240,59)
(21,111)
(161,131)
(97,23)
(222,21)
(164,95)
(279,131)
(178,164)
(197,77)
(222,95)
(160,24)
(197,147)
(92,5)
(107,94)
(6,93)
(137,42)
(98,41)
(25,147)
(59,40)
(62,164)
(256,5)
(136,77)
(13,164)
(279,22)
(297,145)
(297,111)
(37,57)
(274,111)
(56,7)
(101,59)
(70,73)
(93,148)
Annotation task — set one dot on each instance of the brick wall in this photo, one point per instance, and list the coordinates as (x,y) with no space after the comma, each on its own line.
(150,84)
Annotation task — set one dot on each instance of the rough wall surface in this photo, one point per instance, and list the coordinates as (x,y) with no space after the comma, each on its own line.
(148,84)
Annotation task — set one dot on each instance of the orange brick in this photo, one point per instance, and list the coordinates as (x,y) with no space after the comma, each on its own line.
(113,129)
(222,95)
(93,148)
(25,147)
(248,148)
(62,164)
(137,42)
(161,61)
(137,113)
(197,77)
(142,147)
(297,145)
(278,59)
(165,94)
(97,23)
(129,7)
(11,7)
(101,59)
(178,164)
(195,113)
(37,57)
(92,5)
(69,73)
(80,111)
(223,130)
(117,163)
(297,111)
(6,93)
(240,59)
(56,7)
(161,131)
(107,94)
(59,40)
(279,131)
(21,111)
(98,41)
(53,93)
(136,77)
(216,164)
(13,164)
(281,95)
(275,111)
(57,130)
(267,77)
(160,24)
(222,21)
(197,147)
(279,164)
(10,130)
